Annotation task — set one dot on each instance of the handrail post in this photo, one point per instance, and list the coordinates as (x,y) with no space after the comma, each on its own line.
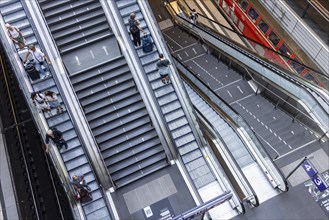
(323,135)
(297,166)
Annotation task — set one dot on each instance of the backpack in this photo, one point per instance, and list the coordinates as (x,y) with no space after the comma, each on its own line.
(133,26)
(40,100)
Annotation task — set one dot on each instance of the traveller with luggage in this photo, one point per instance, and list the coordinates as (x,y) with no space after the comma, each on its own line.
(38,59)
(32,72)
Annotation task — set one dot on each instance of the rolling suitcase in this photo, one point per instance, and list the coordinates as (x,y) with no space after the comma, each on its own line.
(147,43)
(32,72)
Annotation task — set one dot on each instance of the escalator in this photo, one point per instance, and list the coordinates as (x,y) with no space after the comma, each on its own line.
(229,135)
(75,160)
(105,87)
(313,98)
(171,107)
(234,143)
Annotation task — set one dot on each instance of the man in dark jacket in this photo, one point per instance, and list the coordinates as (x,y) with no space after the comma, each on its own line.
(57,137)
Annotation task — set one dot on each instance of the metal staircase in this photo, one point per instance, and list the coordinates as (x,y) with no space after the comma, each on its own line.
(106,90)
(74,157)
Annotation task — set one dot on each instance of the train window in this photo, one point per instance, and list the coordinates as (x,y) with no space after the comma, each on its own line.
(296,66)
(225,7)
(234,17)
(284,49)
(253,14)
(243,4)
(241,26)
(263,26)
(273,38)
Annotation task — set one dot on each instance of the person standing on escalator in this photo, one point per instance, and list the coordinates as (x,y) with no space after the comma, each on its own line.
(16,35)
(135,29)
(163,68)
(57,137)
(38,59)
(79,182)
(194,16)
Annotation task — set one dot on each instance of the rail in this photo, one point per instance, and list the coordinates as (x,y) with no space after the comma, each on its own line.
(70,97)
(233,170)
(39,119)
(141,81)
(227,179)
(250,139)
(279,60)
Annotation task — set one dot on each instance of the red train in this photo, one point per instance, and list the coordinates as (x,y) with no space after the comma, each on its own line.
(252,25)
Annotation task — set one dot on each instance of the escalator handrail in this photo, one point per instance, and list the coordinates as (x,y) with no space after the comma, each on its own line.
(37,9)
(226,183)
(175,79)
(295,79)
(39,119)
(245,125)
(218,136)
(259,43)
(322,110)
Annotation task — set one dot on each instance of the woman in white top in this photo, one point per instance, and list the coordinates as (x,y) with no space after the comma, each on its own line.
(39,100)
(37,59)
(16,36)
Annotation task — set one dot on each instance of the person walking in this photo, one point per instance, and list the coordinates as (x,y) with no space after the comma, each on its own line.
(38,59)
(57,137)
(163,68)
(135,29)
(39,100)
(16,35)
(52,100)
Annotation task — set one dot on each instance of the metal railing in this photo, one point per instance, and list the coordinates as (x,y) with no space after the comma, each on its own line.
(317,102)
(234,171)
(39,119)
(248,136)
(75,109)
